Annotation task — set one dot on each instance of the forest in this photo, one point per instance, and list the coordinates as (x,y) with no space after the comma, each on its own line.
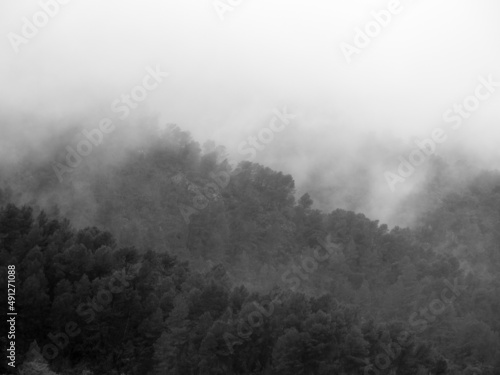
(167,259)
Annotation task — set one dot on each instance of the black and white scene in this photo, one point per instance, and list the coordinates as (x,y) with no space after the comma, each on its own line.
(250,187)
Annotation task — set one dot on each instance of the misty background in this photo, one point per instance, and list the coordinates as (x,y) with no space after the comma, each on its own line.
(356,252)
(226,78)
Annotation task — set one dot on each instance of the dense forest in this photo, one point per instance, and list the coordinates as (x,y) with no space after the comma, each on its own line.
(168,259)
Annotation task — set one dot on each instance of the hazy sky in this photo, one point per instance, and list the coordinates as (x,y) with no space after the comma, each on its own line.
(226,77)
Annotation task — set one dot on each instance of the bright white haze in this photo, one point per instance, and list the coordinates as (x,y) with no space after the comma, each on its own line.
(226,78)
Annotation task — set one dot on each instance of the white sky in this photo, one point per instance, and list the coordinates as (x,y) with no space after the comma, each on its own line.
(227,77)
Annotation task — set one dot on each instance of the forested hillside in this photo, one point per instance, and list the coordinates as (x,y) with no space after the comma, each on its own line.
(168,260)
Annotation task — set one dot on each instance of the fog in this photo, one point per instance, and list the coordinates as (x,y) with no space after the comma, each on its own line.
(226,77)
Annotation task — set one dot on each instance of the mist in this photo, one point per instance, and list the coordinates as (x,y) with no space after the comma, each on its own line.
(231,68)
(250,187)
